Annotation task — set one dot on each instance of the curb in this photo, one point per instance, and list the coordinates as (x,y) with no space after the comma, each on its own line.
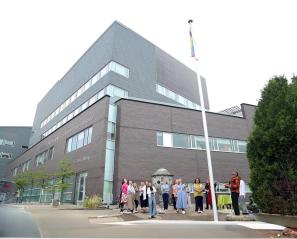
(105,216)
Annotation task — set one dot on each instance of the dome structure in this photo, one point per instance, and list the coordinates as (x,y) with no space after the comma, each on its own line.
(162,172)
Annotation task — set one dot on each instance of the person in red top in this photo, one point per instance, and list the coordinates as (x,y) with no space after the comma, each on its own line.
(234,185)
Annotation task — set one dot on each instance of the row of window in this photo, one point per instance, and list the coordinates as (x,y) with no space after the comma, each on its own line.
(176,97)
(4,155)
(79,140)
(6,142)
(34,193)
(76,141)
(111,66)
(110,90)
(40,159)
(198,142)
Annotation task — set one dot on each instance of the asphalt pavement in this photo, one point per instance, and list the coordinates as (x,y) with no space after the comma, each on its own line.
(16,222)
(54,222)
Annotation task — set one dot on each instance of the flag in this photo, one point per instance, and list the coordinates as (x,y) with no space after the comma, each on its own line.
(192,44)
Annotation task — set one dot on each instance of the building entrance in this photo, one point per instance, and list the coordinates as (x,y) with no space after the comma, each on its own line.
(81,187)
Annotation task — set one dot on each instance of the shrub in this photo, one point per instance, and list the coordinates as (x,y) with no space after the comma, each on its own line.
(93,201)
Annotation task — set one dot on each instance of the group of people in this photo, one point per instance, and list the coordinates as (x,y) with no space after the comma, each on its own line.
(145,194)
(132,195)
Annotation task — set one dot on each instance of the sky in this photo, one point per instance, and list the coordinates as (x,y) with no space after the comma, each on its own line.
(240,44)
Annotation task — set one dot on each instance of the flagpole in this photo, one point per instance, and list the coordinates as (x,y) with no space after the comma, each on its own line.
(210,172)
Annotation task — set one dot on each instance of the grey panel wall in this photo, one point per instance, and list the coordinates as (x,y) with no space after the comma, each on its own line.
(137,143)
(96,57)
(21,136)
(178,77)
(147,63)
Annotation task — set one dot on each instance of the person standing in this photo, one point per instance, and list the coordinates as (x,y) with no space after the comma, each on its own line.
(151,193)
(145,196)
(234,185)
(137,197)
(181,203)
(18,196)
(141,194)
(198,194)
(174,194)
(124,196)
(207,189)
(131,197)
(210,196)
(242,197)
(165,189)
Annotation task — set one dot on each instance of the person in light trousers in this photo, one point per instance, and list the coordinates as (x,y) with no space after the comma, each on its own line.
(151,192)
(242,205)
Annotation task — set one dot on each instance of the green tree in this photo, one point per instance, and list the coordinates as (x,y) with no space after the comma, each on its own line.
(272,148)
(30,178)
(63,176)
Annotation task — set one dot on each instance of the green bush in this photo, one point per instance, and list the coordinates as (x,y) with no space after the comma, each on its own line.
(272,148)
(92,202)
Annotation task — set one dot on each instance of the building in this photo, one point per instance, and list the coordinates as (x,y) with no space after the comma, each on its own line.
(13,142)
(125,109)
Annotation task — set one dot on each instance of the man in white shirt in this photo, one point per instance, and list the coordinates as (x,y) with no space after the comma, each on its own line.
(242,204)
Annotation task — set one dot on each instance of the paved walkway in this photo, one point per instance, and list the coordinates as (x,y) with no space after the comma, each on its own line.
(67,221)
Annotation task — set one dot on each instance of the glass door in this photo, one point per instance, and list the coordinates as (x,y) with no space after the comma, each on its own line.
(81,187)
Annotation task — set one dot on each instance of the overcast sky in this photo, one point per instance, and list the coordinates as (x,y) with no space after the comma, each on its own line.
(241,44)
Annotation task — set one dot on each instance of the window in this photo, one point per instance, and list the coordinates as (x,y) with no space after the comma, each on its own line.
(180,140)
(176,97)
(198,142)
(95,79)
(160,89)
(41,158)
(24,166)
(241,146)
(51,153)
(167,140)
(116,91)
(5,155)
(74,143)
(7,142)
(89,136)
(224,145)
(159,139)
(28,164)
(79,140)
(15,171)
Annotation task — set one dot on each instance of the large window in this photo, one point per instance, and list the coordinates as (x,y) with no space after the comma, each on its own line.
(176,97)
(41,158)
(111,66)
(79,140)
(7,142)
(198,142)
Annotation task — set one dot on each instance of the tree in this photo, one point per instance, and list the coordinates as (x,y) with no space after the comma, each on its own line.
(28,178)
(65,173)
(272,148)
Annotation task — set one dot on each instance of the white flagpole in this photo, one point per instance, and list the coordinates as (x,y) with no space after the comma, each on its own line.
(213,198)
